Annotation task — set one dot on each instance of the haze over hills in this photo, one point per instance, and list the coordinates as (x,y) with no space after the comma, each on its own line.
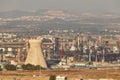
(77,6)
(18,13)
(45,20)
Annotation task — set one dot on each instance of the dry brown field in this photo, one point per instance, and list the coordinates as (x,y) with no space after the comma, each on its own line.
(75,74)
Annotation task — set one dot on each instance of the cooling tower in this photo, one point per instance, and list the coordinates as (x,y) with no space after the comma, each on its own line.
(35,55)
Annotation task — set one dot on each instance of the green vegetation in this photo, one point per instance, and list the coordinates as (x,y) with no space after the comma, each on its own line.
(0,68)
(31,67)
(28,67)
(52,77)
(10,67)
(90,63)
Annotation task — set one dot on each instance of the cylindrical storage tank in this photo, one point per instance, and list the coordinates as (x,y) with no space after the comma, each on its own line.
(35,55)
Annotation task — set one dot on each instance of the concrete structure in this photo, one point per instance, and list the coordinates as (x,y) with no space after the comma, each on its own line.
(61,78)
(35,55)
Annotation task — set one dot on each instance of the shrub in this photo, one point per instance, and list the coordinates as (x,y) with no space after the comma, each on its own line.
(37,67)
(10,67)
(52,77)
(90,63)
(31,67)
(0,68)
(28,67)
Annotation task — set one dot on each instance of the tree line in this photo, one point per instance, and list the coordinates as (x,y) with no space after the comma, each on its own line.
(11,67)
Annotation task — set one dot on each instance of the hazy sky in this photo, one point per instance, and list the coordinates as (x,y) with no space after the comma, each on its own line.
(70,5)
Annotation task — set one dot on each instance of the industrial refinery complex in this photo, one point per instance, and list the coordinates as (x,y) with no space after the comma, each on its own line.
(70,50)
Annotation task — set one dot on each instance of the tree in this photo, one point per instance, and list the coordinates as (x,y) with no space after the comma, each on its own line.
(38,67)
(31,67)
(10,67)
(28,67)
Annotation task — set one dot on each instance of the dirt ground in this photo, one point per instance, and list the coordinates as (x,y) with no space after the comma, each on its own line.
(76,74)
